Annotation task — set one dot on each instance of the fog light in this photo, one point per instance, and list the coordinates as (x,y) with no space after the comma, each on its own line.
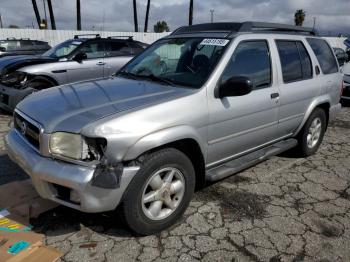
(74,196)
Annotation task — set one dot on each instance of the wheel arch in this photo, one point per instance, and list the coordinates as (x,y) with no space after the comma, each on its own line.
(322,102)
(179,138)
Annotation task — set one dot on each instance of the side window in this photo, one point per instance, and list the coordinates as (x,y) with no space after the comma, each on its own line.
(306,64)
(324,55)
(251,59)
(290,60)
(118,49)
(93,49)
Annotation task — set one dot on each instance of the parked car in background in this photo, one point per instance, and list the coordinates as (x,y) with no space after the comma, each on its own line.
(81,58)
(23,46)
(199,105)
(345,98)
(341,55)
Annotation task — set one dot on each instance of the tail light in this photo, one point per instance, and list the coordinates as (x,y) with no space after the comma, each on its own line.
(342,88)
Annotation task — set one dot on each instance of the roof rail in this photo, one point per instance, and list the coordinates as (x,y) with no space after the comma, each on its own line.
(273,27)
(95,35)
(129,37)
(233,28)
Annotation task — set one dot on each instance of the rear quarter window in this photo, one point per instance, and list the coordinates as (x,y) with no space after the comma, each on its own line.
(324,55)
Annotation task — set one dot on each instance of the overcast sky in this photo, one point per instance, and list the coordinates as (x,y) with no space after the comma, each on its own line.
(117,15)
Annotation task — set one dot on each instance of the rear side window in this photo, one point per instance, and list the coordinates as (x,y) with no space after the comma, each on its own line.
(295,60)
(116,48)
(324,55)
(250,59)
(306,65)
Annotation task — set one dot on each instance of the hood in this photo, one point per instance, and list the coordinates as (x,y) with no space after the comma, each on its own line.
(71,107)
(11,63)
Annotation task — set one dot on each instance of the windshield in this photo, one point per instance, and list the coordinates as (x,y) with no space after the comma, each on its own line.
(63,49)
(181,61)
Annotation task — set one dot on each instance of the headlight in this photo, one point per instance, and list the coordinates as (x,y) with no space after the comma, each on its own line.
(14,78)
(68,145)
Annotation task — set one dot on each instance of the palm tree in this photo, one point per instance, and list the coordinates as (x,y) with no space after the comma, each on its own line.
(190,15)
(299,17)
(78,16)
(147,14)
(135,16)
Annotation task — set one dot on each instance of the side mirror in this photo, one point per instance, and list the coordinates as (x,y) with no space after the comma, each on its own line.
(234,86)
(80,57)
(2,49)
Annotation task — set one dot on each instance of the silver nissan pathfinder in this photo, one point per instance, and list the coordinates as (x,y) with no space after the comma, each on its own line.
(199,105)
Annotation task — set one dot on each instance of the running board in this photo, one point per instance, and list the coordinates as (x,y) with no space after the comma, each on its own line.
(251,159)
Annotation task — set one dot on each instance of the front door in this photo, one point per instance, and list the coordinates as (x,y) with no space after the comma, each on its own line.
(240,124)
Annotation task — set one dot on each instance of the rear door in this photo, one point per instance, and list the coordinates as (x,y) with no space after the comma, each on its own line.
(118,53)
(296,84)
(90,68)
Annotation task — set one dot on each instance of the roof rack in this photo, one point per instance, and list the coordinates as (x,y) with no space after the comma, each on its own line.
(234,28)
(129,37)
(95,35)
(14,38)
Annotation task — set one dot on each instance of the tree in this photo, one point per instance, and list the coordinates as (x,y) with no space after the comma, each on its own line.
(190,13)
(161,26)
(147,15)
(299,17)
(135,16)
(13,26)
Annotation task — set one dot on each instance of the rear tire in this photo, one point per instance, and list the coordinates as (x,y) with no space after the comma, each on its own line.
(311,135)
(159,193)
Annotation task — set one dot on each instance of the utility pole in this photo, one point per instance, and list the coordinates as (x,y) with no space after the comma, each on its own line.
(36,11)
(78,16)
(1,26)
(313,27)
(212,15)
(190,14)
(52,18)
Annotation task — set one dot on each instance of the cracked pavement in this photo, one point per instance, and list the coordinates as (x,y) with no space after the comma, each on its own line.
(284,209)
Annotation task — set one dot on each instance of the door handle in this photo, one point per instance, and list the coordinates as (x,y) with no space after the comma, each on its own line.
(275,95)
(100,63)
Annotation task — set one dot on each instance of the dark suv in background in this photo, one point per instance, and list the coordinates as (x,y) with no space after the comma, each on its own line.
(12,46)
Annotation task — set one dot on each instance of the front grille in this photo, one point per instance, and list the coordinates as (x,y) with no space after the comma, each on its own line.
(30,131)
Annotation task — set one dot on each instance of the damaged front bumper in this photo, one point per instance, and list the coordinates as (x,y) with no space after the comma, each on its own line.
(65,183)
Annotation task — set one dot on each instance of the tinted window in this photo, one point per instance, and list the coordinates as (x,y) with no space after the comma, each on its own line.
(290,60)
(93,49)
(118,49)
(306,64)
(26,44)
(250,59)
(324,55)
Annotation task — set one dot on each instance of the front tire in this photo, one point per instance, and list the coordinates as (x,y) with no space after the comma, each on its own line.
(311,136)
(160,192)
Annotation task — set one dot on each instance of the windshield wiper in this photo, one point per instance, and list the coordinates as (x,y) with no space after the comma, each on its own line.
(127,74)
(151,77)
(157,79)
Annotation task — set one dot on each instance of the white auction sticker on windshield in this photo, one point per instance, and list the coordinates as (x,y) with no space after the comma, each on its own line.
(213,41)
(76,43)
